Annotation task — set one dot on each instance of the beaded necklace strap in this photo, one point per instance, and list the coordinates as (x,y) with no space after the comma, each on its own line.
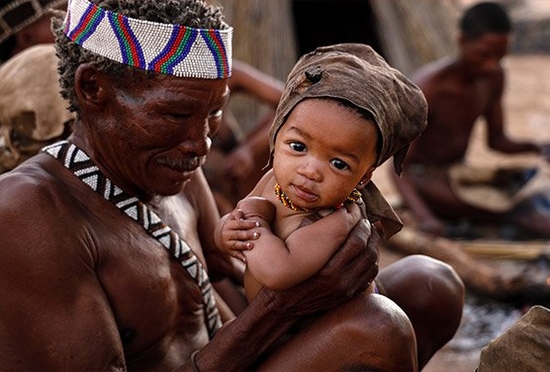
(285,200)
(165,48)
(78,162)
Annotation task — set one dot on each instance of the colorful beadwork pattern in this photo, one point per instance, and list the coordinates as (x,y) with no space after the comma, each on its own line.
(165,48)
(78,162)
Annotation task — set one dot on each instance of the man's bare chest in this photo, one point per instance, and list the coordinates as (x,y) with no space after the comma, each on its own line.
(152,296)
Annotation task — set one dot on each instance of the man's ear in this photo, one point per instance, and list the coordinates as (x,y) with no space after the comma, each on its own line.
(90,86)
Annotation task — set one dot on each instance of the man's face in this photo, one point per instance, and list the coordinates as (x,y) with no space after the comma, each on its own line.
(158,131)
(483,55)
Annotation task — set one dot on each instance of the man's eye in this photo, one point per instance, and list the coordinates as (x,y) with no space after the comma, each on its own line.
(297,146)
(216,114)
(177,115)
(339,164)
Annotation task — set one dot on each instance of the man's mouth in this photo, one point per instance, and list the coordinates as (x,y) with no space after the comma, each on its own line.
(185,165)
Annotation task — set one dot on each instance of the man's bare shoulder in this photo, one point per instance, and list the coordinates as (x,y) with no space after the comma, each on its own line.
(26,185)
(39,216)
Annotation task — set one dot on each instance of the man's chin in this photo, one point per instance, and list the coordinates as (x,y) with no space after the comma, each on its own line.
(169,189)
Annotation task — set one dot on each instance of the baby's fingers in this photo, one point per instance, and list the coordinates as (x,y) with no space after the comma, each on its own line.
(241,236)
(243,225)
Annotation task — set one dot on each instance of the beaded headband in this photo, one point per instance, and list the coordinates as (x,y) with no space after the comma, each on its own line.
(165,48)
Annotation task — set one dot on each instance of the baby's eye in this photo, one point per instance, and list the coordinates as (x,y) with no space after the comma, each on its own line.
(339,164)
(297,146)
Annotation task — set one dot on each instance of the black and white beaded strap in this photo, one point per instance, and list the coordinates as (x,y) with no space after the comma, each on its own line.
(78,162)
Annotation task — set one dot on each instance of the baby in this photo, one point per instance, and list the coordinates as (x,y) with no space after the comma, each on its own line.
(344,111)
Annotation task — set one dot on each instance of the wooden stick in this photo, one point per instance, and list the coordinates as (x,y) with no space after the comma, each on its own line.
(506,249)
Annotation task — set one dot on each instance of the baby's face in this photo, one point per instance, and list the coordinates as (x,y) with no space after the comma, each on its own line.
(322,152)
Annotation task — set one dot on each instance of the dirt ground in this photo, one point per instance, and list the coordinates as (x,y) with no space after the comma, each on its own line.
(527,116)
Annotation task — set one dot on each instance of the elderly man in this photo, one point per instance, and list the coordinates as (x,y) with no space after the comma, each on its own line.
(107,237)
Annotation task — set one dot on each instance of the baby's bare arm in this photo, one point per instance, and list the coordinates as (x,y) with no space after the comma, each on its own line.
(236,230)
(279,265)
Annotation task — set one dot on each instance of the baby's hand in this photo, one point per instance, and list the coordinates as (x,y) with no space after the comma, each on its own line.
(237,234)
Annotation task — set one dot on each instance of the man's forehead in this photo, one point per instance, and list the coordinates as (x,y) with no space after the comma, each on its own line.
(168,89)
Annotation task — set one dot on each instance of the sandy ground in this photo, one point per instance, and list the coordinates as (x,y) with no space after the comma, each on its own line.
(527,116)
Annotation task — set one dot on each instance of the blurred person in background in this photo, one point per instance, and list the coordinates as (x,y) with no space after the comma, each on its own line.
(437,185)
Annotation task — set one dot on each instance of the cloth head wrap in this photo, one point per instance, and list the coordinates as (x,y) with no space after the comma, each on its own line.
(18,14)
(357,74)
(165,48)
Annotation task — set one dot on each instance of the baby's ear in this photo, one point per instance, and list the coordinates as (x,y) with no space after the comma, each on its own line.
(366,178)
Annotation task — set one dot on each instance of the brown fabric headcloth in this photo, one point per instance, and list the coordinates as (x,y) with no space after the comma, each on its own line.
(356,73)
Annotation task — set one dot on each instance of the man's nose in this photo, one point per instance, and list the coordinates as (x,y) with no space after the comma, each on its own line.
(197,143)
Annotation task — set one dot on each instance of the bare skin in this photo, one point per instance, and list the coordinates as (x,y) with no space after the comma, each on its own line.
(405,280)
(115,280)
(459,90)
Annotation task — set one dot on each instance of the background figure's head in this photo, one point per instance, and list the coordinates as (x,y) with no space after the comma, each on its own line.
(484,18)
(191,13)
(484,37)
(24,23)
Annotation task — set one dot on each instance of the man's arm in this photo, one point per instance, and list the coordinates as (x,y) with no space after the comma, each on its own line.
(248,79)
(494,116)
(243,159)
(54,312)
(427,220)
